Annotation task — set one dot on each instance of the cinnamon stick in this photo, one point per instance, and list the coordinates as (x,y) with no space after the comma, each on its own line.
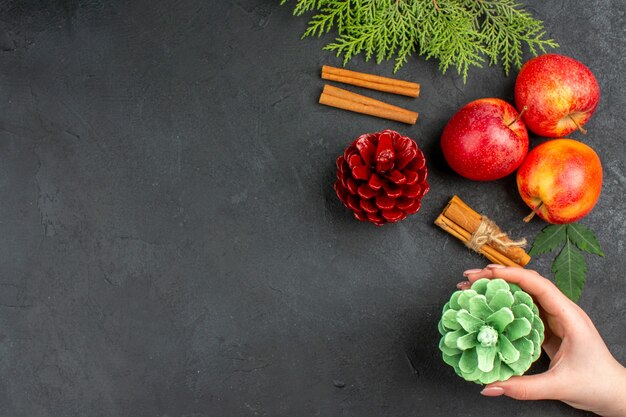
(349,95)
(468,219)
(347,100)
(481,234)
(373,82)
(463,235)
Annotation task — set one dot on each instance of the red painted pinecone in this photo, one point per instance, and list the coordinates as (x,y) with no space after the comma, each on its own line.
(382,177)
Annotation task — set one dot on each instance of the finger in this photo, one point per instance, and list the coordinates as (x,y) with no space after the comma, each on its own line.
(530,387)
(495,266)
(544,291)
(464,285)
(491,270)
(551,344)
(476,270)
(472,271)
(552,325)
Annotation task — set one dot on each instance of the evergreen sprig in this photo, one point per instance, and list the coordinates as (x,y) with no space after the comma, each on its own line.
(569,266)
(458,33)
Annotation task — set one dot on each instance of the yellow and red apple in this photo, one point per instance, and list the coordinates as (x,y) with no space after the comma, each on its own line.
(485,140)
(560,95)
(560,180)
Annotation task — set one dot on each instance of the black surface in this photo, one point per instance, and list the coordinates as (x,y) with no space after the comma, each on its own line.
(171,243)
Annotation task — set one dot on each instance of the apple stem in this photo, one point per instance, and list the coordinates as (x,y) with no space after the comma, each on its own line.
(582,130)
(535,210)
(518,116)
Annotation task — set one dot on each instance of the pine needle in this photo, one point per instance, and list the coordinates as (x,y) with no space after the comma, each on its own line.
(458,33)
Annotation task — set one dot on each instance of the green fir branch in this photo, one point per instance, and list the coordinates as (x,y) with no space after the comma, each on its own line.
(453,38)
(323,22)
(458,33)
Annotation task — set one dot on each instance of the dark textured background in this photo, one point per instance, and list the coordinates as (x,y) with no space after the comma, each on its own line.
(170,241)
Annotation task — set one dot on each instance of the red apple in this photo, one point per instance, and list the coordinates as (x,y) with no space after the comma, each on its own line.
(485,140)
(560,180)
(559,93)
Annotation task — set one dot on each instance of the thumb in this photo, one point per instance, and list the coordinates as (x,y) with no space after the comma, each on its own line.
(531,387)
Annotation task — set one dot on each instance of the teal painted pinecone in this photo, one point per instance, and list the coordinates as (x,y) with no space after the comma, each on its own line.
(490,332)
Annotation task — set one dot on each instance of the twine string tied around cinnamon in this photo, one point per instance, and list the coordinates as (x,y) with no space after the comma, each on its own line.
(488,233)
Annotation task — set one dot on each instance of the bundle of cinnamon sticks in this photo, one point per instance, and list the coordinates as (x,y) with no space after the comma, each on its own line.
(347,100)
(481,235)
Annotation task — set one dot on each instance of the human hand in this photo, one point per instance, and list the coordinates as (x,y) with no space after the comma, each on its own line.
(582,371)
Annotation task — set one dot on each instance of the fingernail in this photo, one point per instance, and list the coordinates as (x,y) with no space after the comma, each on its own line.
(463,285)
(471,271)
(492,392)
(495,266)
